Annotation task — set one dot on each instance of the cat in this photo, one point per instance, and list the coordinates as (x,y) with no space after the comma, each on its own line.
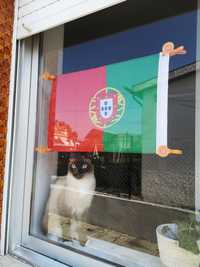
(71,196)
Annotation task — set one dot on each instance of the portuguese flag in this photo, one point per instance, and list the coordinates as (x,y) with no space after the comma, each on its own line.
(121,107)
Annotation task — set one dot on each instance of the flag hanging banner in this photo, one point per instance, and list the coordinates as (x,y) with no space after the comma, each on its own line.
(120,107)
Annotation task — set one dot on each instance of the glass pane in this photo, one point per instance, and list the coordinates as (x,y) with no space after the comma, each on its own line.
(115,135)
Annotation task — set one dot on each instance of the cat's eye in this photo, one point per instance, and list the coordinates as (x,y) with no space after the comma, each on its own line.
(84,166)
(73,166)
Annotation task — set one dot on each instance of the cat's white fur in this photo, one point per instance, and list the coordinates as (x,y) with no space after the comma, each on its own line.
(78,198)
(73,195)
(79,193)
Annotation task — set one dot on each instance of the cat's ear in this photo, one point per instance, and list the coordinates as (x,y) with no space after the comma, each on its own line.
(88,160)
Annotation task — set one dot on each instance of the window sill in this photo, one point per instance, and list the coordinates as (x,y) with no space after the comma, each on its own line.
(122,255)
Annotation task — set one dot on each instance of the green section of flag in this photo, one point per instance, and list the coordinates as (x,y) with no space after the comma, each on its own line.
(136,79)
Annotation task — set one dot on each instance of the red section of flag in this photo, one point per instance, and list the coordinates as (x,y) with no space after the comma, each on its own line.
(70,128)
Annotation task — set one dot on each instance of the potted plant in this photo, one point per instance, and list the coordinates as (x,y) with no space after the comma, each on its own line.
(179,243)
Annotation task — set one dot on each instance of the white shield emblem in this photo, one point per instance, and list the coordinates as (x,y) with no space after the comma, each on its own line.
(106,107)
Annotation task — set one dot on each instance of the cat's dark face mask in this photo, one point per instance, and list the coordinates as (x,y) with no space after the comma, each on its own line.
(80,167)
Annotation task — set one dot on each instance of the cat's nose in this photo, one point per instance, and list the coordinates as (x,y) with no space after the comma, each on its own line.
(79,175)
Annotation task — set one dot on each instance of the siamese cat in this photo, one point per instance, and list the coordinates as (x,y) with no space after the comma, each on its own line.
(71,196)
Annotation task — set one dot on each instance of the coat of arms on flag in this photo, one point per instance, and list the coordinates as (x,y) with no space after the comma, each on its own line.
(106,107)
(121,107)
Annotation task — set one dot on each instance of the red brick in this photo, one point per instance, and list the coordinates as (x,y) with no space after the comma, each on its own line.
(6,24)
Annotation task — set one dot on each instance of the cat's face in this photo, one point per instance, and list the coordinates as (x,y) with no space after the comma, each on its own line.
(80,167)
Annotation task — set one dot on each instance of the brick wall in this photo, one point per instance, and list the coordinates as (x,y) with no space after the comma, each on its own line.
(6,23)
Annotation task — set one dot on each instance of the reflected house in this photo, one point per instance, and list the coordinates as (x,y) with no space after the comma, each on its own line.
(64,135)
(169,186)
(95,145)
(126,142)
(144,95)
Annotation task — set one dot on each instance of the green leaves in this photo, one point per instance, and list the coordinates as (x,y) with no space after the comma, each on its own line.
(188,234)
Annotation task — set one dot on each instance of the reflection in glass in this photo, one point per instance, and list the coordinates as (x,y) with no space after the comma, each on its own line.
(102,188)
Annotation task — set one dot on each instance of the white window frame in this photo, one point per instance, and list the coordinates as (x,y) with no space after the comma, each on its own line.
(23,144)
(24,140)
(34,16)
(21,243)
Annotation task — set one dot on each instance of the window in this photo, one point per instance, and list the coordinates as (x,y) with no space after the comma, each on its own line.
(114,145)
